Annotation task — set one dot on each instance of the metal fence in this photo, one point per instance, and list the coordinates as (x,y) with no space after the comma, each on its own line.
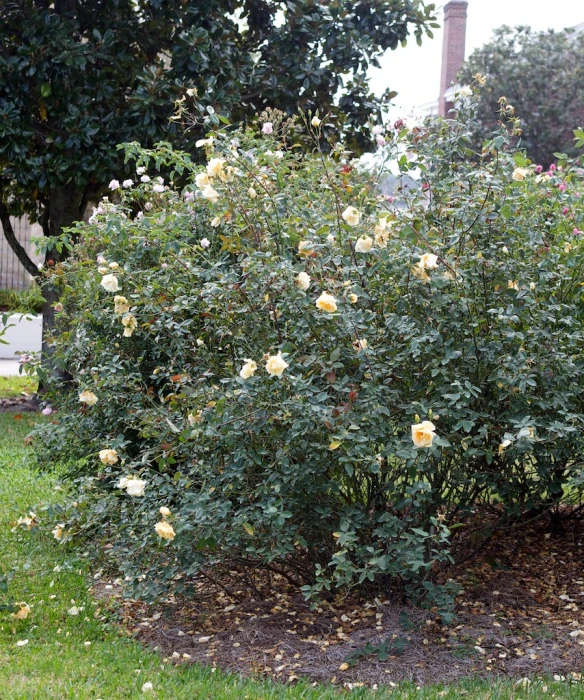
(12,273)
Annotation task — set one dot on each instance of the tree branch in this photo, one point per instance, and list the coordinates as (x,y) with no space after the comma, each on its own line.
(13,242)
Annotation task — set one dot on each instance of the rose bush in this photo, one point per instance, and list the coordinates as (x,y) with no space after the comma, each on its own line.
(311,376)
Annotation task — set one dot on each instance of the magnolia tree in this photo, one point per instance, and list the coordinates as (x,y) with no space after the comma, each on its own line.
(279,367)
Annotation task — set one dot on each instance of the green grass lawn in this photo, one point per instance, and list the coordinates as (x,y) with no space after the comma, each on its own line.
(80,657)
(10,387)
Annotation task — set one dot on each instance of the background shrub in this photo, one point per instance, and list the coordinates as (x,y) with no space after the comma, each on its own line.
(470,303)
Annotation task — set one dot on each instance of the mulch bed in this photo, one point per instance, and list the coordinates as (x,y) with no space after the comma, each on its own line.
(520,614)
(18,404)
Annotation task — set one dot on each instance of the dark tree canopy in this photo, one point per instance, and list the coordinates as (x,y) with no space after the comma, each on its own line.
(78,77)
(542,76)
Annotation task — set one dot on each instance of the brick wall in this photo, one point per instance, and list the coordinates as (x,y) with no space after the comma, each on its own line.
(452,49)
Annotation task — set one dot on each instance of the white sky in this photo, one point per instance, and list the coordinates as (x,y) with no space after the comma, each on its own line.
(414,71)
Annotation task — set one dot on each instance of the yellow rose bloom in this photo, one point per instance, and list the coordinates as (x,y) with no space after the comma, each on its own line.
(121,305)
(248,369)
(276,365)
(428,261)
(326,302)
(363,244)
(352,216)
(88,397)
(108,456)
(423,434)
(303,281)
(165,530)
(130,324)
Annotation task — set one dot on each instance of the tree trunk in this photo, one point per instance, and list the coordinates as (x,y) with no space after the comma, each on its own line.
(63,210)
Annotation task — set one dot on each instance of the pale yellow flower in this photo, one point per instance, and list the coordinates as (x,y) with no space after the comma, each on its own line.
(58,531)
(420,273)
(303,280)
(211,194)
(305,248)
(132,485)
(532,286)
(88,397)
(315,122)
(226,175)
(381,238)
(121,305)
(164,511)
(352,216)
(423,434)
(520,174)
(248,369)
(110,283)
(165,530)
(205,142)
(512,284)
(428,261)
(363,244)
(326,302)
(503,446)
(202,180)
(216,222)
(252,193)
(103,270)
(215,167)
(360,344)
(29,521)
(194,418)
(353,298)
(276,365)
(22,612)
(130,324)
(108,456)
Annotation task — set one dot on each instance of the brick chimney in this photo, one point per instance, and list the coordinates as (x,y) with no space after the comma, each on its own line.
(452,50)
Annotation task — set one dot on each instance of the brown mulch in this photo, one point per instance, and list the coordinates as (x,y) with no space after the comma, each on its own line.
(17,404)
(520,614)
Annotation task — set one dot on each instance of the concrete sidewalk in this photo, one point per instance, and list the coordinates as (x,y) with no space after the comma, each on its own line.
(8,368)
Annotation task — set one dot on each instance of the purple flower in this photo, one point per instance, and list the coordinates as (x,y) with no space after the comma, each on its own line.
(538,168)
(47,411)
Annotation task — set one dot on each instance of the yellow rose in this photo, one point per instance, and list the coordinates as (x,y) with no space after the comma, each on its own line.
(360,344)
(110,283)
(194,418)
(202,180)
(512,284)
(88,397)
(22,612)
(215,167)
(58,531)
(353,298)
(303,281)
(363,244)
(164,511)
(210,194)
(276,365)
(130,324)
(423,434)
(29,521)
(305,248)
(102,270)
(315,122)
(132,486)
(252,193)
(226,175)
(248,369)
(216,222)
(428,261)
(381,238)
(108,456)
(351,216)
(326,302)
(520,174)
(165,530)
(121,305)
